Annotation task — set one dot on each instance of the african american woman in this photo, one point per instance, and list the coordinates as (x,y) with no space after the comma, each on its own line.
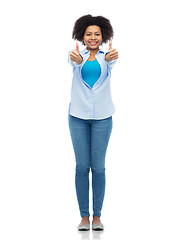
(90,112)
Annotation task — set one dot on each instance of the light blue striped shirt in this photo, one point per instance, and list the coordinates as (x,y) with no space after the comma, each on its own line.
(95,102)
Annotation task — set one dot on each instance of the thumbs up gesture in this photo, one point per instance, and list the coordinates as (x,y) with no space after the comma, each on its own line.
(75,55)
(112,54)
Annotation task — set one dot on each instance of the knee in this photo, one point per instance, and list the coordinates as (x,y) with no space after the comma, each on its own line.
(82,170)
(98,171)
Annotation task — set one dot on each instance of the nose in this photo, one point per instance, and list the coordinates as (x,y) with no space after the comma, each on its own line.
(93,37)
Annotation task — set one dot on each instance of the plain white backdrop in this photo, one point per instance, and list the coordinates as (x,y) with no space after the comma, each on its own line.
(145,191)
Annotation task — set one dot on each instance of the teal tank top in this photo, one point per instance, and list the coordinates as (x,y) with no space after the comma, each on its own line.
(91,72)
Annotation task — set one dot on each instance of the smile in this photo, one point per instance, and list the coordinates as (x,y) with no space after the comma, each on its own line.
(93,43)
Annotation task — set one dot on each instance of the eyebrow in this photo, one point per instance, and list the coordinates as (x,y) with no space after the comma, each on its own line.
(94,32)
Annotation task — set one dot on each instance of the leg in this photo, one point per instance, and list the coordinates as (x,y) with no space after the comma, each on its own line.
(100,134)
(80,135)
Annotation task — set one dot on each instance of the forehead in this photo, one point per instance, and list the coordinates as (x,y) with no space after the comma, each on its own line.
(93,28)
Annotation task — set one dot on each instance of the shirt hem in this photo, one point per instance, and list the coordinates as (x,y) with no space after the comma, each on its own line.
(93,118)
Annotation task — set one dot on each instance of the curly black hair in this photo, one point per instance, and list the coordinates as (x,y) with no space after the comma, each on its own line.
(88,20)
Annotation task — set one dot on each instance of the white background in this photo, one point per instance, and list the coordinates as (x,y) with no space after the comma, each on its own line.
(145,192)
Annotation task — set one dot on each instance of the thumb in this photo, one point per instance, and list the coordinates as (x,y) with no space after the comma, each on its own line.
(110,45)
(77,48)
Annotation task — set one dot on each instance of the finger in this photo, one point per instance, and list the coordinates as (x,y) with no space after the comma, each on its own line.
(77,47)
(113,52)
(74,52)
(114,56)
(73,56)
(110,45)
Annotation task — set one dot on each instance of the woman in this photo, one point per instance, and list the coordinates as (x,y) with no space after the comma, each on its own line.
(90,112)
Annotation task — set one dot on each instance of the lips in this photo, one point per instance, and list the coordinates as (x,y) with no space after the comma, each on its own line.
(93,43)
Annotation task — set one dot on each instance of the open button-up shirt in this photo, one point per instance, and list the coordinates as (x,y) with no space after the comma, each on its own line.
(96,102)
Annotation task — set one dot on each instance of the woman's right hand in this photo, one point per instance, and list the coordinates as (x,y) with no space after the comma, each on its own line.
(75,55)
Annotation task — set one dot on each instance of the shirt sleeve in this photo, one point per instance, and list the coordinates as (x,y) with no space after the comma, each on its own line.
(111,64)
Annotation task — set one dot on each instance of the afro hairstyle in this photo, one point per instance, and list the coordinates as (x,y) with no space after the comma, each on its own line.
(88,20)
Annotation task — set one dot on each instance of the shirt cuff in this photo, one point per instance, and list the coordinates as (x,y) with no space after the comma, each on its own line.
(111,64)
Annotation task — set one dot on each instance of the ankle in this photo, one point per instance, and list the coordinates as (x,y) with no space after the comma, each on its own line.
(96,217)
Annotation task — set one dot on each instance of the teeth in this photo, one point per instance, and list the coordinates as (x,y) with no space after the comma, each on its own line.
(93,43)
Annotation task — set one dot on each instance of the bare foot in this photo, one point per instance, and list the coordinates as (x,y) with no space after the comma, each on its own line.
(85,221)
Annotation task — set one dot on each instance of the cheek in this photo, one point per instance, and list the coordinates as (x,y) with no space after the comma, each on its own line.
(86,39)
(100,39)
(86,42)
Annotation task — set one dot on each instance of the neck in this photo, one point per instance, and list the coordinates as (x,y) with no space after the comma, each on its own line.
(93,51)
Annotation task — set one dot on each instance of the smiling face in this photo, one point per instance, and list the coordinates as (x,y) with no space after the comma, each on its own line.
(92,37)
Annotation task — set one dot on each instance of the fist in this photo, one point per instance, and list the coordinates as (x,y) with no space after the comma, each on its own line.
(75,55)
(112,54)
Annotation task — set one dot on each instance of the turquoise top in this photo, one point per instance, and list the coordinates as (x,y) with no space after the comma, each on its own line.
(91,72)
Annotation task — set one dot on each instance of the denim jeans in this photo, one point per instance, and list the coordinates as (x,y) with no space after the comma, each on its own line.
(90,140)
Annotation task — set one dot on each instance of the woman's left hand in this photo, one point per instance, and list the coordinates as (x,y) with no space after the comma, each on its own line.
(112,54)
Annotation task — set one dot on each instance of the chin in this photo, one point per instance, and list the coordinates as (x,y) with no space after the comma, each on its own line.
(93,47)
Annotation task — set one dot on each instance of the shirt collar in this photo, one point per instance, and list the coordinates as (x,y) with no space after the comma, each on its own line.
(85,51)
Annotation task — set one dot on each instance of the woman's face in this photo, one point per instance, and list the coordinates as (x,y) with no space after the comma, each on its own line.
(92,37)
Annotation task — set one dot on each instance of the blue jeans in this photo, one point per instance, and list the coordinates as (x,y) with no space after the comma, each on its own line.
(90,140)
